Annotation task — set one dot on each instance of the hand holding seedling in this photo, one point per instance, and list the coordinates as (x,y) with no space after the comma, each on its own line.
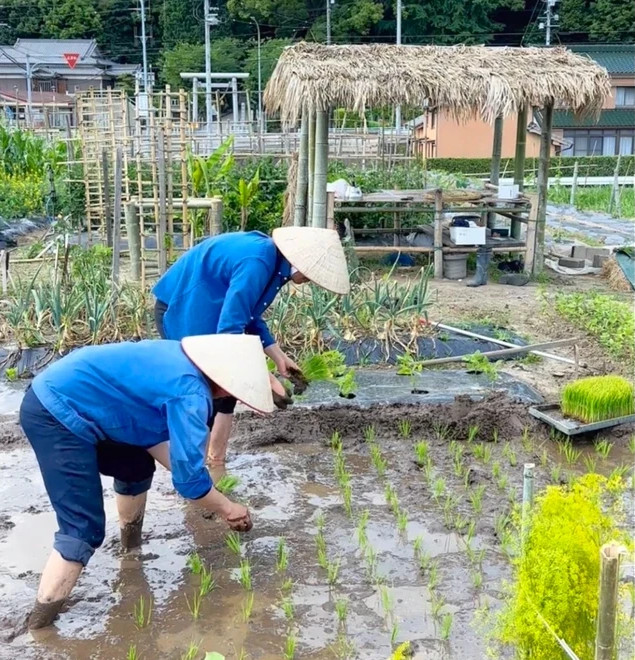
(298,380)
(281,401)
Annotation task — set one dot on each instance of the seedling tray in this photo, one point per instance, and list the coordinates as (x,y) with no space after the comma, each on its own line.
(552,415)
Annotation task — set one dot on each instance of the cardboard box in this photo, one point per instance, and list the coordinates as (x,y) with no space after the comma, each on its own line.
(468,235)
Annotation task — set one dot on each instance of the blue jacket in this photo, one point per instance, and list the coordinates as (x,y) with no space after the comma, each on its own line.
(223,285)
(137,393)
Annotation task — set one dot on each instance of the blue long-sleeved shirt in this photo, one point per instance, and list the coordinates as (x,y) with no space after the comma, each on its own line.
(137,393)
(223,285)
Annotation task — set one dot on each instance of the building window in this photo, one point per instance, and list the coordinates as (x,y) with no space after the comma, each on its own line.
(45,86)
(625,97)
(596,142)
(433,116)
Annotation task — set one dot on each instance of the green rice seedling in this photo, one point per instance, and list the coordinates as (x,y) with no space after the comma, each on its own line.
(502,482)
(195,563)
(598,398)
(341,609)
(476,499)
(245,574)
(483,452)
(421,452)
(448,516)
(290,645)
(460,522)
(394,633)
(472,433)
(232,541)
(428,470)
(362,524)
(343,649)
(510,455)
(287,607)
(526,440)
(132,654)
(387,603)
(418,546)
(496,469)
(477,579)
(571,455)
(471,531)
(322,558)
(442,431)
(500,524)
(242,655)
(425,561)
(377,460)
(247,607)
(446,626)
(282,555)
(438,488)
(336,441)
(620,472)
(391,495)
(287,586)
(433,575)
(347,497)
(320,521)
(603,448)
(402,521)
(192,651)
(227,484)
(332,571)
(631,444)
(208,583)
(369,434)
(370,556)
(405,428)
(590,464)
(194,606)
(478,363)
(495,436)
(142,612)
(437,603)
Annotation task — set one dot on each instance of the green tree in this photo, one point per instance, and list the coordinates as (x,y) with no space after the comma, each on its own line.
(181,22)
(183,57)
(286,15)
(71,19)
(270,52)
(575,15)
(613,20)
(118,40)
(228,54)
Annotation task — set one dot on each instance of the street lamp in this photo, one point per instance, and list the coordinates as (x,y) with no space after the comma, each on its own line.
(260,115)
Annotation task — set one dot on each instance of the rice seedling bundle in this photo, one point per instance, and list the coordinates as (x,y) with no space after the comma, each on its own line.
(598,398)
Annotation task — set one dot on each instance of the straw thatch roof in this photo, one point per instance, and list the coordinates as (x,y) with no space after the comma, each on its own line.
(466,80)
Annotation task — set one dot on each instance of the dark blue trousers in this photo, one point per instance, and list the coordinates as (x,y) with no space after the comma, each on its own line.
(70,467)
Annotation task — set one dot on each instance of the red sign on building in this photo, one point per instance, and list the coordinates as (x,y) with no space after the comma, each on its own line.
(71,59)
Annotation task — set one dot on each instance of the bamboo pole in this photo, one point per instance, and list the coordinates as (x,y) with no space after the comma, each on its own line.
(162,224)
(215,217)
(116,224)
(528,499)
(330,210)
(574,185)
(519,161)
(185,223)
(438,234)
(605,640)
(311,168)
(543,183)
(495,168)
(530,236)
(133,232)
(614,201)
(169,171)
(299,217)
(107,206)
(505,352)
(321,165)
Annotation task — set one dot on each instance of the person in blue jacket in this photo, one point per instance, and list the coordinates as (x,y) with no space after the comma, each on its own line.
(225,284)
(113,410)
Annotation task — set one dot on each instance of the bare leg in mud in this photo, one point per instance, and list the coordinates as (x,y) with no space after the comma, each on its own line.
(58,579)
(131,509)
(219,439)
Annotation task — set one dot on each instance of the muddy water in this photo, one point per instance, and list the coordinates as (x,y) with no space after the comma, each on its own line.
(287,486)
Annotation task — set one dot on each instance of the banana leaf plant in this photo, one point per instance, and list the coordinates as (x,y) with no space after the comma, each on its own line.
(209,174)
(247,191)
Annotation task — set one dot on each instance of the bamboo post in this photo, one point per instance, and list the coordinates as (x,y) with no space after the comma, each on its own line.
(574,184)
(496,163)
(161,226)
(543,184)
(185,226)
(215,217)
(330,210)
(133,232)
(614,201)
(169,171)
(107,206)
(519,161)
(530,236)
(311,167)
(299,216)
(528,499)
(438,234)
(116,224)
(321,165)
(605,640)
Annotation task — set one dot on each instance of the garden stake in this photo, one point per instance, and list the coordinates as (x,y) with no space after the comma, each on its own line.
(528,498)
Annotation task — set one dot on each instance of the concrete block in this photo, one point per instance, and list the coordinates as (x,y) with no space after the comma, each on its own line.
(599,260)
(579,252)
(591,253)
(567,262)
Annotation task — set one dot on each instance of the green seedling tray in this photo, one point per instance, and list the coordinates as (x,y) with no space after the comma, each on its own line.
(552,415)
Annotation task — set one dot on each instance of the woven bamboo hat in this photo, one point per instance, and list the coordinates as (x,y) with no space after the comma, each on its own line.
(317,254)
(236,363)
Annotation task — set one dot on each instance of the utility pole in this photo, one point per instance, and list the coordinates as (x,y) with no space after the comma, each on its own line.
(261,127)
(328,21)
(398,108)
(144,47)
(29,92)
(210,19)
(549,20)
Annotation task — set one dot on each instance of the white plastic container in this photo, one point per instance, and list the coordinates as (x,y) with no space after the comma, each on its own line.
(468,235)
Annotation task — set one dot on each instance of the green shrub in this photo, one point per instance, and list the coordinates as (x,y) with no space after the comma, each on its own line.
(21,195)
(597,398)
(557,578)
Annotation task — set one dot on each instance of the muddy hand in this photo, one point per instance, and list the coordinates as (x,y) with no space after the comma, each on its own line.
(282,401)
(297,378)
(240,524)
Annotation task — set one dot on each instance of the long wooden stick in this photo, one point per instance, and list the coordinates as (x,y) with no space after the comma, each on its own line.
(608,607)
(504,352)
(116,223)
(468,333)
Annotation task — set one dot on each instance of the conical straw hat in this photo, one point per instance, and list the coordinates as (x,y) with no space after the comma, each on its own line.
(236,363)
(317,254)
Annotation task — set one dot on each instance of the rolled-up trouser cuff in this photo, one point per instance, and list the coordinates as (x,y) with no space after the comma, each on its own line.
(132,487)
(73,549)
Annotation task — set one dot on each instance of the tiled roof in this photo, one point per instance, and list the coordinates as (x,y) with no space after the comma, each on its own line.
(617,59)
(616,118)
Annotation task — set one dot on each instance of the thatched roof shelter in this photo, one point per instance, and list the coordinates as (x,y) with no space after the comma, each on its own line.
(466,80)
